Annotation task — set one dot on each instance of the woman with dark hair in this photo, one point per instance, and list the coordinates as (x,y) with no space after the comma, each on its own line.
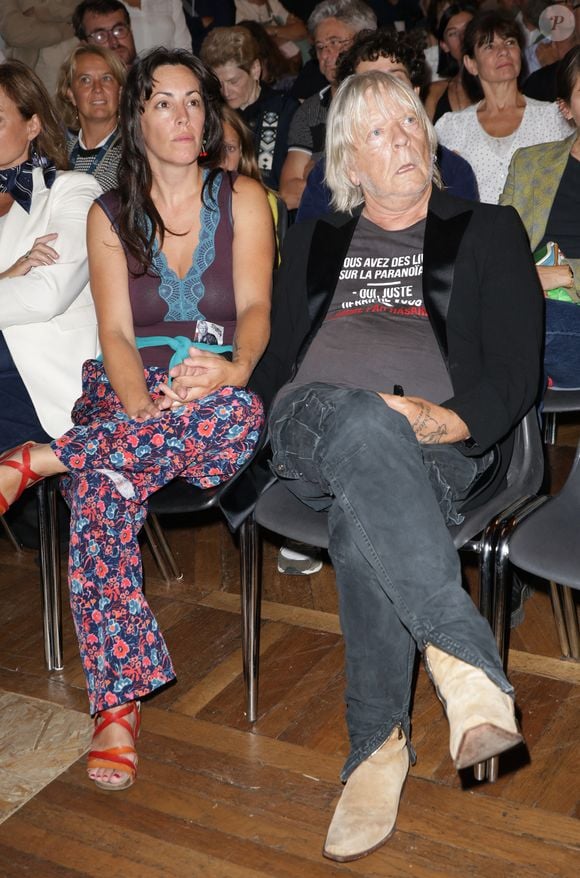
(88,94)
(47,319)
(179,252)
(447,95)
(503,120)
(543,184)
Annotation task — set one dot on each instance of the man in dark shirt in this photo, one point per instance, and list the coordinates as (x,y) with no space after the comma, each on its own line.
(408,291)
(332,27)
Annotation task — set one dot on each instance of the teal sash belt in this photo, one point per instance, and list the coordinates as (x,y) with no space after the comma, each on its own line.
(180,344)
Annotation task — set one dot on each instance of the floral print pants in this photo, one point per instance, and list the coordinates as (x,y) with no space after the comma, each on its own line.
(113,465)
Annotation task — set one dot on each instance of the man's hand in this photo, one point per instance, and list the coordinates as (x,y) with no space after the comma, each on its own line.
(432,424)
(553,276)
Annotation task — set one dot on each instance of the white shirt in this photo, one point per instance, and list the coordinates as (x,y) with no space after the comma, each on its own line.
(271,13)
(159,23)
(432,58)
(490,156)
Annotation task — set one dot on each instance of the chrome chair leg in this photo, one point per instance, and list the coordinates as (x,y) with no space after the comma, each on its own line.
(251,580)
(502,587)
(161,549)
(550,428)
(487,547)
(50,573)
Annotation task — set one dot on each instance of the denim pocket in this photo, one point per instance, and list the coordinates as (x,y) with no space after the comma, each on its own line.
(451,475)
(296,427)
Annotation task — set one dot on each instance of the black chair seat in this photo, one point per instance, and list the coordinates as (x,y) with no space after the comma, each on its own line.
(180,497)
(561,400)
(279,510)
(546,542)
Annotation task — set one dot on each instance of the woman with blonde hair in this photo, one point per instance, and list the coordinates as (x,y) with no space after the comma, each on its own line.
(234,56)
(89,89)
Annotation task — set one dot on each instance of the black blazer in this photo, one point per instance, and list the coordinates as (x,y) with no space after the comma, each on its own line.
(482,295)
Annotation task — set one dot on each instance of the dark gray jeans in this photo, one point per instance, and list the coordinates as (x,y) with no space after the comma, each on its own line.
(397,571)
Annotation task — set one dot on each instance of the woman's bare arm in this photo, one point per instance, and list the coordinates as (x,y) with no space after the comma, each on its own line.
(109,279)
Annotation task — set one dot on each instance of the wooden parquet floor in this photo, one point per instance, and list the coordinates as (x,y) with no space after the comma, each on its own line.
(216,797)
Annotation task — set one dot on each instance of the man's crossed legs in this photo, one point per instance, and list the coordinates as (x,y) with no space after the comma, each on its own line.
(398,577)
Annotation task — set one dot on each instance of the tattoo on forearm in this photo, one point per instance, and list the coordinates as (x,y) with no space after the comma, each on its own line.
(427,428)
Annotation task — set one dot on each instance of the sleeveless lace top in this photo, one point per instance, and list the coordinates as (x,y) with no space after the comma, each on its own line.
(163,303)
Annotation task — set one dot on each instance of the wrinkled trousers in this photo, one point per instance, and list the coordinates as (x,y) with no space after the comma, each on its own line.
(397,571)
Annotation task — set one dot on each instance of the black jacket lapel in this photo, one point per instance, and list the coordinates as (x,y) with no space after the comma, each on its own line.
(443,236)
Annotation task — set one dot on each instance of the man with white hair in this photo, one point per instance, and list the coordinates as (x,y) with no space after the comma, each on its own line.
(332,26)
(406,340)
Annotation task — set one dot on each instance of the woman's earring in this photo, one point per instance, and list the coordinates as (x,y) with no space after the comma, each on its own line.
(34,156)
(203,152)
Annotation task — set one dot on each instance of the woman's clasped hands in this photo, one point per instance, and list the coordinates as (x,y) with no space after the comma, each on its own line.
(198,375)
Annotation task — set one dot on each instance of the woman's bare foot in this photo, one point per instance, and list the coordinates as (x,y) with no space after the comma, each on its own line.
(116,730)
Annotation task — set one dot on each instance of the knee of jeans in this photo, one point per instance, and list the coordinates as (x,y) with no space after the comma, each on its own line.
(365,414)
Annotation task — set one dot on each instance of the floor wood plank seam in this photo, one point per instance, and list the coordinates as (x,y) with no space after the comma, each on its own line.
(524,662)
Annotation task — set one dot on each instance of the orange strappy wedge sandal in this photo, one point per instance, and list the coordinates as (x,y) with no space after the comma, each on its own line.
(116,757)
(28,477)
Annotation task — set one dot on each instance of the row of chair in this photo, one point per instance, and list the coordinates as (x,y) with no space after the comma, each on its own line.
(535,533)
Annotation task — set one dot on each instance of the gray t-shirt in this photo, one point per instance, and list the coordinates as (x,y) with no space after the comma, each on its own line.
(377,333)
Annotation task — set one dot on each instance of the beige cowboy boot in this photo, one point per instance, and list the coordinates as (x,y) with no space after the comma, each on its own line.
(481,717)
(366,812)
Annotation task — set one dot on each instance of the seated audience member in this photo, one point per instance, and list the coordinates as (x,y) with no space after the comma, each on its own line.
(278,71)
(106,23)
(158,23)
(239,156)
(39,33)
(133,432)
(400,15)
(542,84)
(286,29)
(448,95)
(543,184)
(88,94)
(488,133)
(203,15)
(462,335)
(332,26)
(233,55)
(550,44)
(392,53)
(47,320)
(433,56)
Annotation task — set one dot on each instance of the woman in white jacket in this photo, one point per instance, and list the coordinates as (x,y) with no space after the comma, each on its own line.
(47,320)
